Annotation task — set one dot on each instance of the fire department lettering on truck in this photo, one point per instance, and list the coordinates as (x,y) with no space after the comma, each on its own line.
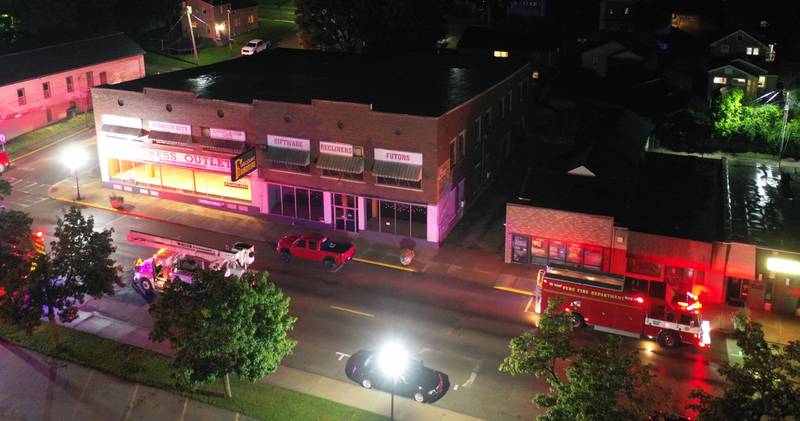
(592,293)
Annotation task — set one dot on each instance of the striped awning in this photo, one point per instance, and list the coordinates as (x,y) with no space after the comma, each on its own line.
(351,164)
(288,156)
(121,131)
(397,170)
(169,138)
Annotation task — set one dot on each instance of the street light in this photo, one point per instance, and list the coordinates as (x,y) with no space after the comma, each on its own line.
(219,27)
(74,158)
(393,360)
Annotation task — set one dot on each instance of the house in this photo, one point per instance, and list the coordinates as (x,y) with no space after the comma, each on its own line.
(754,79)
(538,43)
(526,8)
(48,84)
(221,20)
(621,56)
(618,15)
(740,43)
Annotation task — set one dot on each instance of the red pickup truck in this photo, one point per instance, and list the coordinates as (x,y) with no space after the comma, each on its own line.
(315,247)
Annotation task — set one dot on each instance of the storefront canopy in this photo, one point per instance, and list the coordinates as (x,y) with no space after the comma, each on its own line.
(397,170)
(350,164)
(121,131)
(170,138)
(288,156)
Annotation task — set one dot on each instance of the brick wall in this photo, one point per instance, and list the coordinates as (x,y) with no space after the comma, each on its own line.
(557,225)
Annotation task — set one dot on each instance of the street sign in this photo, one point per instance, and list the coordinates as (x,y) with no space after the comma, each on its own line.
(243,164)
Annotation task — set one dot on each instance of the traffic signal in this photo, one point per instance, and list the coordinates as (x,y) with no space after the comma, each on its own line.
(38,242)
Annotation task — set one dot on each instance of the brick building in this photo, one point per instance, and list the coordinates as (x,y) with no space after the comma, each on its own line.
(220,19)
(390,146)
(45,85)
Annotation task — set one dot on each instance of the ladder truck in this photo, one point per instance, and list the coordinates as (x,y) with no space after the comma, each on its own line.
(178,260)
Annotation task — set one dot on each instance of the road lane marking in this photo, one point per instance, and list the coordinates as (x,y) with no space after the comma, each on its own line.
(386,265)
(131,403)
(342,355)
(514,290)
(183,410)
(80,397)
(360,313)
(471,380)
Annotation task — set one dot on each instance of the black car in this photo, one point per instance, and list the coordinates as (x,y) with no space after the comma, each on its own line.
(418,382)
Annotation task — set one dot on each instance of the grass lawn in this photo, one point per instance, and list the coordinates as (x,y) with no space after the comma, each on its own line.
(40,137)
(138,365)
(272,30)
(276,9)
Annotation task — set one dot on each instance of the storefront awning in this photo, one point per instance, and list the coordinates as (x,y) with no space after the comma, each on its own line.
(288,156)
(121,131)
(170,138)
(397,170)
(351,164)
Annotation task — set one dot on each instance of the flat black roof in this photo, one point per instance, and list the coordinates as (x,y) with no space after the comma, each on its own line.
(425,84)
(672,195)
(30,64)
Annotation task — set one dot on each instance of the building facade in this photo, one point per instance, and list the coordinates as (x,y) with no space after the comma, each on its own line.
(338,164)
(220,19)
(42,86)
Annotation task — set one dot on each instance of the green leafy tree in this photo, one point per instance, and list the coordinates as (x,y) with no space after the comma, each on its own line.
(595,383)
(16,258)
(373,25)
(220,325)
(764,386)
(729,114)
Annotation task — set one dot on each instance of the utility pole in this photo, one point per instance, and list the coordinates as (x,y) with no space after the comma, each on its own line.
(786,106)
(191,32)
(229,27)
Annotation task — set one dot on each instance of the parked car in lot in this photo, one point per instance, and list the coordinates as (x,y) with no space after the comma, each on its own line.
(315,247)
(255,46)
(423,384)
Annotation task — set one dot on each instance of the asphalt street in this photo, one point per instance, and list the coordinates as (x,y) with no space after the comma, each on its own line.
(338,316)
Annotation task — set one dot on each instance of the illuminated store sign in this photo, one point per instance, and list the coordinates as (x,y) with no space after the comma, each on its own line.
(170,157)
(288,142)
(777,264)
(243,164)
(225,134)
(161,126)
(333,148)
(410,158)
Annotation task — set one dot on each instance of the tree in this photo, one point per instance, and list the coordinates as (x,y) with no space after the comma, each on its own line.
(598,383)
(220,325)
(730,110)
(78,264)
(16,257)
(372,25)
(766,385)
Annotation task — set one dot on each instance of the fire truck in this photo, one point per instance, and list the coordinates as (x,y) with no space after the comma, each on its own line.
(624,305)
(178,260)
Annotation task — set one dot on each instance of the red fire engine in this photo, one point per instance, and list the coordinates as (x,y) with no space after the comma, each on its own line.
(625,306)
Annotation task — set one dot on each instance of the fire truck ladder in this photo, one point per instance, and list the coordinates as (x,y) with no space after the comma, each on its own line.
(241,255)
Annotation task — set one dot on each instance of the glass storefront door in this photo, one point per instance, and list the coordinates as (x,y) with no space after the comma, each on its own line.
(345,212)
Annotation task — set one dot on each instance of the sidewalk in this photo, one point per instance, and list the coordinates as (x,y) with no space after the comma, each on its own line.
(469,265)
(288,378)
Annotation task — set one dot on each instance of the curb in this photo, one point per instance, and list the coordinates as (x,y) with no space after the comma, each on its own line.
(153,218)
(387,265)
(514,290)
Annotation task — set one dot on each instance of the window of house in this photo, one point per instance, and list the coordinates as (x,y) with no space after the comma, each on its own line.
(724,48)
(762,81)
(502,107)
(21,96)
(46,90)
(755,51)
(627,10)
(476,128)
(70,85)
(462,144)
(535,74)
(453,153)
(720,80)
(739,37)
(739,80)
(749,51)
(251,19)
(501,54)
(488,118)
(510,100)
(103,78)
(89,79)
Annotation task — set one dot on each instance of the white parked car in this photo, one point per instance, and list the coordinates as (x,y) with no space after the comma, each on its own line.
(255,46)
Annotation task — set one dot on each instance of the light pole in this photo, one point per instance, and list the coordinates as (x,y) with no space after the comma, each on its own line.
(786,105)
(229,26)
(393,360)
(74,158)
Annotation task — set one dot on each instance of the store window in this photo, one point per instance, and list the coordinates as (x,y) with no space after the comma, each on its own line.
(296,202)
(520,248)
(574,255)
(642,267)
(558,252)
(396,218)
(539,251)
(177,178)
(387,181)
(593,257)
